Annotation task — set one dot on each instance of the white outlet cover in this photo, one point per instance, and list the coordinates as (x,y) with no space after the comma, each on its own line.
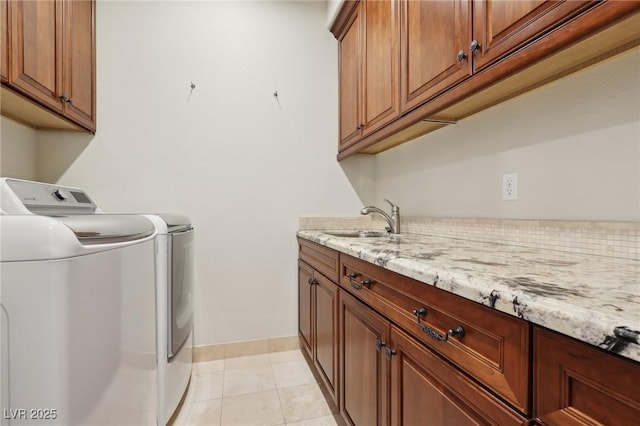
(510,186)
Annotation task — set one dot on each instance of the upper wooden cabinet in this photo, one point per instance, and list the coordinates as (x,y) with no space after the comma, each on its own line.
(36,50)
(78,52)
(434,35)
(369,67)
(457,57)
(380,64)
(350,53)
(500,27)
(51,64)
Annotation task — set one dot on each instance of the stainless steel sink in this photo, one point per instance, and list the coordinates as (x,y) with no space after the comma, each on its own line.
(358,234)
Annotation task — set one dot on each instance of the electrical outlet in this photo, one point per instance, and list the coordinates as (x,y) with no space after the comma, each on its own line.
(510,186)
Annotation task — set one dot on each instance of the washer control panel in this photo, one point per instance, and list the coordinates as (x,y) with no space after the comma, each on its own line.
(24,197)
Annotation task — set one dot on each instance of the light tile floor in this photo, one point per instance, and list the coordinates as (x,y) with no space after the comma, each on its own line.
(271,389)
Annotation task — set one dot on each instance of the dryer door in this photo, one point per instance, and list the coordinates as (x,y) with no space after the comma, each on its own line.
(181,290)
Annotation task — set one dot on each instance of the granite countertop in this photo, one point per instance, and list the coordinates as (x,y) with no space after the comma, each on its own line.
(595,299)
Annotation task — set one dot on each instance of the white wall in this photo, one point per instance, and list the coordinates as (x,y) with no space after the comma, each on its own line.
(18,158)
(241,164)
(575,144)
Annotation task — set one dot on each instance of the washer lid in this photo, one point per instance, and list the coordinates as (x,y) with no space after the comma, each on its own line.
(108,228)
(29,237)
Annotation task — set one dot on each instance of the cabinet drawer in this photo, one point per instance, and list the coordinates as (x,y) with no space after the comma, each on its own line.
(322,259)
(494,347)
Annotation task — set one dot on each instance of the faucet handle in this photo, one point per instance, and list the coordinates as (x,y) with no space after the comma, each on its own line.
(394,208)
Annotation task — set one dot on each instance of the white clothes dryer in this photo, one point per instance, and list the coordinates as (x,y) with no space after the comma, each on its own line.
(174,300)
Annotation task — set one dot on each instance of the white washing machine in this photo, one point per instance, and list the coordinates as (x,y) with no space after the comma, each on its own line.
(173,275)
(78,316)
(174,299)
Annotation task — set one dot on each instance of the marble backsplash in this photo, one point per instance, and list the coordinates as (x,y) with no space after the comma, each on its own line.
(612,239)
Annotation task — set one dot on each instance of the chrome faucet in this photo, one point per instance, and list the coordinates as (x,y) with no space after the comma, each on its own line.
(393,220)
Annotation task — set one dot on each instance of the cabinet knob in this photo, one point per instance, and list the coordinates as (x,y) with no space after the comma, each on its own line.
(461,55)
(66,99)
(420,312)
(312,281)
(474,46)
(458,331)
(360,126)
(379,345)
(389,352)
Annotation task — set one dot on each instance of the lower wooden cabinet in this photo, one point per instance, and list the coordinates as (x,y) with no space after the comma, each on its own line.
(577,384)
(364,369)
(318,324)
(493,348)
(388,377)
(428,390)
(379,371)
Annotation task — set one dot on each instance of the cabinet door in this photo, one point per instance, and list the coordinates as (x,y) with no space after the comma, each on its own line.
(503,26)
(363,368)
(36,30)
(427,390)
(432,35)
(576,384)
(79,61)
(305,300)
(326,332)
(350,70)
(4,48)
(380,64)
